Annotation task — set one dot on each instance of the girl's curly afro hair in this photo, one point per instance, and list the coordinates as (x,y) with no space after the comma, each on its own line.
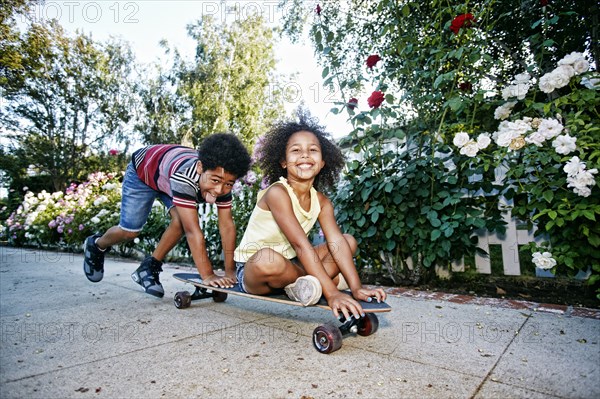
(226,151)
(271,151)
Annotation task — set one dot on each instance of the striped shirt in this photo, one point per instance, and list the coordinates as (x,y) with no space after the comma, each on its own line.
(171,169)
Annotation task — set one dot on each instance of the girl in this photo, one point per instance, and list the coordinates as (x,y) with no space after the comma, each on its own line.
(275,253)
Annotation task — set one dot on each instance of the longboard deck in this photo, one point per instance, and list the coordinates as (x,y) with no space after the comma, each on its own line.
(194,279)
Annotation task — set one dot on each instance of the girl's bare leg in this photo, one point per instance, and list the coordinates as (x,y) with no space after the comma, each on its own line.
(267,270)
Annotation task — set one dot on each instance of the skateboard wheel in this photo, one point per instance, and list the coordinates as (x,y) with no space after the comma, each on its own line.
(327,338)
(219,296)
(368,325)
(182,300)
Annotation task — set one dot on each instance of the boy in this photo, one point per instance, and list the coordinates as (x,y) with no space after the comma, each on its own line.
(180,177)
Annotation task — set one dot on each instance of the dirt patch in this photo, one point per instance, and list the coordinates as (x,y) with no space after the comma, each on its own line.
(559,291)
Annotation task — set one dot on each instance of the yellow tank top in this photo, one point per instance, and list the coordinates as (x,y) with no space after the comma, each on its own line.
(263,232)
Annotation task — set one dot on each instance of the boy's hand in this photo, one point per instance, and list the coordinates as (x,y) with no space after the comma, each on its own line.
(340,302)
(219,281)
(363,294)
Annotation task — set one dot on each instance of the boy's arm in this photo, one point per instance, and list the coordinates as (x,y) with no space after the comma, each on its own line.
(195,239)
(228,236)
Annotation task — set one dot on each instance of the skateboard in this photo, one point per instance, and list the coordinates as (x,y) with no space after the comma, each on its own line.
(326,338)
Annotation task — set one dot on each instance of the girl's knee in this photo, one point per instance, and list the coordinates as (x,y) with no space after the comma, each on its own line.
(266,262)
(351,242)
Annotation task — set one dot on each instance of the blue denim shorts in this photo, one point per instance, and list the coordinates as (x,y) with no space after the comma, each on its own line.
(239,274)
(136,201)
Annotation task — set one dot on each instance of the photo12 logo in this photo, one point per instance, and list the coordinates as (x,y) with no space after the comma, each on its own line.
(126,12)
(272,11)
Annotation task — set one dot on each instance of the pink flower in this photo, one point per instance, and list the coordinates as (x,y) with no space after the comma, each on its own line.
(114,152)
(375,99)
(352,103)
(318,10)
(462,21)
(372,60)
(81,227)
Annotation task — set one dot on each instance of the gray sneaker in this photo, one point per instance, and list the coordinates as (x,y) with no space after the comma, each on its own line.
(306,290)
(147,276)
(93,261)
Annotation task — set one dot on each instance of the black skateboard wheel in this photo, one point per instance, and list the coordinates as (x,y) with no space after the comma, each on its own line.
(368,325)
(327,338)
(182,300)
(219,296)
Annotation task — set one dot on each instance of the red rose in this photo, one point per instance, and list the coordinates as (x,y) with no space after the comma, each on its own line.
(113,152)
(464,20)
(352,103)
(372,60)
(318,10)
(465,86)
(375,99)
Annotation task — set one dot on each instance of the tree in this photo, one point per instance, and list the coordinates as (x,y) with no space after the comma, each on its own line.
(64,97)
(227,88)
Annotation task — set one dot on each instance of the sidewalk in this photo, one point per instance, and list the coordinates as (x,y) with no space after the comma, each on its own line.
(64,337)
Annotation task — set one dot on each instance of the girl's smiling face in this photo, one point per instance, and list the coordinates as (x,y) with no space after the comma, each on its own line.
(303,156)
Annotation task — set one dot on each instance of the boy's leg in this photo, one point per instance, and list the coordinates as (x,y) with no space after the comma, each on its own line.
(170,237)
(136,204)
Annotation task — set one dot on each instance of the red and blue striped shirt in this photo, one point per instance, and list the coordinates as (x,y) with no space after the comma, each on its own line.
(171,169)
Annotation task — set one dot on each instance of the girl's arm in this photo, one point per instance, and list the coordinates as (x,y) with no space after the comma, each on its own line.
(342,254)
(279,203)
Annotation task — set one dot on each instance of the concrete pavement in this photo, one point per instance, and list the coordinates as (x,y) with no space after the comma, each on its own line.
(64,337)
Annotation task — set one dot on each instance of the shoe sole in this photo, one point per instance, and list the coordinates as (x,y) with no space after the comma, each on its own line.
(297,286)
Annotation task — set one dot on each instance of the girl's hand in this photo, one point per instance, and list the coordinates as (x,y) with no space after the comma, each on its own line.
(363,294)
(344,303)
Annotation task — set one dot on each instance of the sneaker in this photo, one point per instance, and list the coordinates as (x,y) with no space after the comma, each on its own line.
(147,276)
(342,284)
(93,262)
(306,290)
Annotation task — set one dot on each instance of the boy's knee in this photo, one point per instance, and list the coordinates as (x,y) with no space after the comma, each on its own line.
(130,235)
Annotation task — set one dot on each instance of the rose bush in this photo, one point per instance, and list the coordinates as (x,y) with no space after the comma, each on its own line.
(464,126)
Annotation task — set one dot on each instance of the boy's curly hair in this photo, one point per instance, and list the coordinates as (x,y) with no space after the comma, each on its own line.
(272,150)
(226,151)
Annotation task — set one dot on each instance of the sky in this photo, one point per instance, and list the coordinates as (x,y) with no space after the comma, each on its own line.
(144,23)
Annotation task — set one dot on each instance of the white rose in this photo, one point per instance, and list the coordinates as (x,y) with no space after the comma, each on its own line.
(522,78)
(564,144)
(504,110)
(550,128)
(570,59)
(543,260)
(546,84)
(536,138)
(460,139)
(574,166)
(561,76)
(581,66)
(470,149)
(483,141)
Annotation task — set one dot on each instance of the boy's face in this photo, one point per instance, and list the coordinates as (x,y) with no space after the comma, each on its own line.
(215,183)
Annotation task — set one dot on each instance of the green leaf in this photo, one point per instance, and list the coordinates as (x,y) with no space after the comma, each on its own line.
(435,234)
(371,231)
(548,196)
(325,72)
